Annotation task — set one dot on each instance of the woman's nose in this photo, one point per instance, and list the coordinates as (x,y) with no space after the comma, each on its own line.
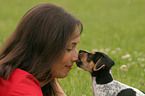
(75,56)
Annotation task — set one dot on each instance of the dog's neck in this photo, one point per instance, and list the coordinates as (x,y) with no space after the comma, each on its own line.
(102,76)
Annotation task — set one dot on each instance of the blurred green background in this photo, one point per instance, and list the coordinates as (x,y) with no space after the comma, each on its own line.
(116,27)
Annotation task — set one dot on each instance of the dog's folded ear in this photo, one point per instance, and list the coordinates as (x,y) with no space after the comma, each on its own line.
(103,62)
(99,64)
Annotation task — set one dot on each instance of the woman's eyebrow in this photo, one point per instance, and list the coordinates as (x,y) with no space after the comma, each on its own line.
(74,43)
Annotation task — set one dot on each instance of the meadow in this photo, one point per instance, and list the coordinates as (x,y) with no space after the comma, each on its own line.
(116,27)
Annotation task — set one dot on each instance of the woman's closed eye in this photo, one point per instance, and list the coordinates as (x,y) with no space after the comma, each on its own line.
(70,48)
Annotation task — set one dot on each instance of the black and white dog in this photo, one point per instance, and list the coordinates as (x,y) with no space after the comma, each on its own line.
(99,66)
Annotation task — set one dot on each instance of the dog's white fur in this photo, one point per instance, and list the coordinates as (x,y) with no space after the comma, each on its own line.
(111,89)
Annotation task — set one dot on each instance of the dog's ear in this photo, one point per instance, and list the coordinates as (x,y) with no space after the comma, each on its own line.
(99,64)
(103,62)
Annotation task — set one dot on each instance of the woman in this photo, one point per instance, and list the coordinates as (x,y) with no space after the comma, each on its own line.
(42,49)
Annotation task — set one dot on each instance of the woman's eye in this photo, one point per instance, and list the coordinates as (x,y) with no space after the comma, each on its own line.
(69,49)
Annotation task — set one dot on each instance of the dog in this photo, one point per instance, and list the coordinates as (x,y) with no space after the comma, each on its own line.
(99,66)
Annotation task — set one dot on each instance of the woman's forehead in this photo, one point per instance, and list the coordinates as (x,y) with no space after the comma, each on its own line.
(74,41)
(76,33)
(75,38)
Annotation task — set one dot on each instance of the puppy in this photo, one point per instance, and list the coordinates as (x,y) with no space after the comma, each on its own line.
(99,66)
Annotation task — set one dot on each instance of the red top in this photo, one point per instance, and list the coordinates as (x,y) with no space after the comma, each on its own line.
(20,83)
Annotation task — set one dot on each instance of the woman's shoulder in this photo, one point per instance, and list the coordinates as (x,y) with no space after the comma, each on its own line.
(21,83)
(21,75)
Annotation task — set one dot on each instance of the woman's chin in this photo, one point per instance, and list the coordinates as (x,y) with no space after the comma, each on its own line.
(64,75)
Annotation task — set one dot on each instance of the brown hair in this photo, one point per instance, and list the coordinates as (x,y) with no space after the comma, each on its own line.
(39,39)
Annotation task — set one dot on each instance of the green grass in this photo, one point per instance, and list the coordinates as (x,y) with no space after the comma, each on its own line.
(108,24)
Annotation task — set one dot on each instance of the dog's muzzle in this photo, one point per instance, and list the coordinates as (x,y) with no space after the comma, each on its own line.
(79,62)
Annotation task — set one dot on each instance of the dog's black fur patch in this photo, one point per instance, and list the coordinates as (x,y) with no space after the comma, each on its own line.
(102,76)
(127,92)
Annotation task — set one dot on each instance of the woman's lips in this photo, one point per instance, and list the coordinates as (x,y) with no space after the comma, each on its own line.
(69,66)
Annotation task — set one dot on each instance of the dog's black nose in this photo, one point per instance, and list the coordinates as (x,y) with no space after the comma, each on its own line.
(81,51)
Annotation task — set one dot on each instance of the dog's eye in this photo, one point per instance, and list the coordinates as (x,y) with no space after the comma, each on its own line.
(88,59)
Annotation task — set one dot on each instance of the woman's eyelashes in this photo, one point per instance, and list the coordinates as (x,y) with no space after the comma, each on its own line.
(70,48)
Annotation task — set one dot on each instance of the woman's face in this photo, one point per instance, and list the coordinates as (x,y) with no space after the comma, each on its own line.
(62,68)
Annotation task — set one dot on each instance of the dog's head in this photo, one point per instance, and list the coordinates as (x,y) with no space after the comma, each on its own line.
(94,62)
